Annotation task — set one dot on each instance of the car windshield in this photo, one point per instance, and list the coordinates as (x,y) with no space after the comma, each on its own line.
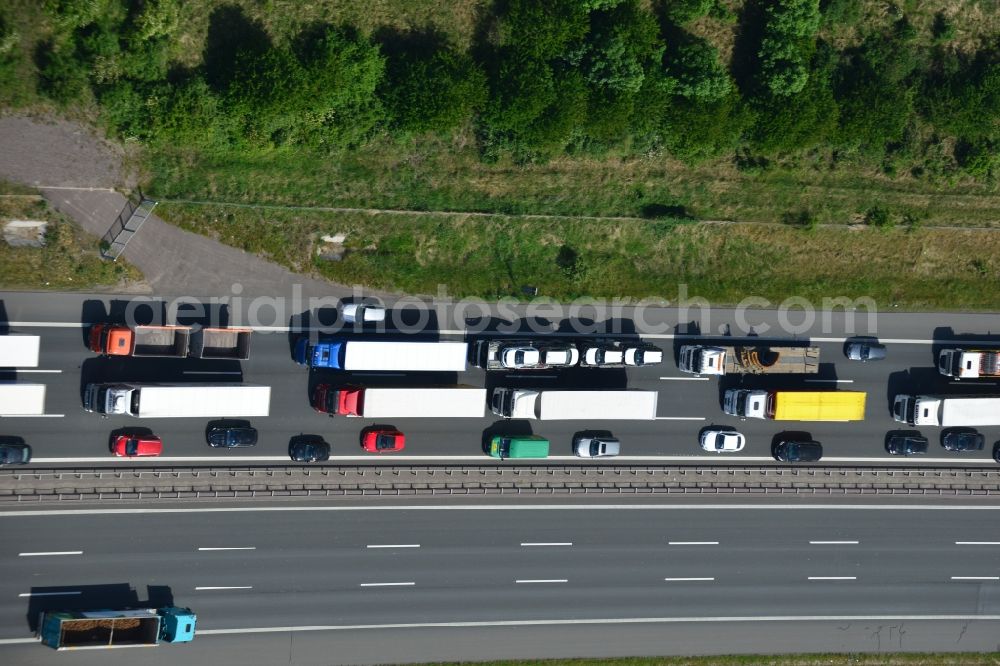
(385,442)
(131,447)
(596,448)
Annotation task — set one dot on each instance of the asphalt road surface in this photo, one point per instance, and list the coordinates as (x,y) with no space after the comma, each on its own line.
(293,570)
(686,403)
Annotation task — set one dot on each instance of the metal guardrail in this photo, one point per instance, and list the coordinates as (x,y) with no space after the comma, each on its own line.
(45,485)
(126,226)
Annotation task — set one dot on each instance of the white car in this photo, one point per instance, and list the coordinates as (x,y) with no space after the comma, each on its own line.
(723,441)
(520,357)
(355,312)
(561,356)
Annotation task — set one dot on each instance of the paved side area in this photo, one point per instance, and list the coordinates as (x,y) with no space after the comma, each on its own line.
(81,175)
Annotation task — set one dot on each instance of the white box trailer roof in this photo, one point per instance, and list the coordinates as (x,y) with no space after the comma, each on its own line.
(970,411)
(201,400)
(22,399)
(19,351)
(423,402)
(402,356)
(597,405)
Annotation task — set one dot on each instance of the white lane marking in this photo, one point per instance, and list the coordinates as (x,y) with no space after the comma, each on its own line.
(681,580)
(393,545)
(709,459)
(829,381)
(977,543)
(975,577)
(212,548)
(692,543)
(541,580)
(834,543)
(542,543)
(686,379)
(613,620)
(74,188)
(36,371)
(680,418)
(521,375)
(976,382)
(33,416)
(53,552)
(409,584)
(225,587)
(833,577)
(512,507)
(68,593)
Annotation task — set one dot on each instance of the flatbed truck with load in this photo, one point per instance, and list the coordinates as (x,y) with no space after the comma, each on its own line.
(22,399)
(946,410)
(748,360)
(450,402)
(795,405)
(573,405)
(82,630)
(339,354)
(969,363)
(19,351)
(178,400)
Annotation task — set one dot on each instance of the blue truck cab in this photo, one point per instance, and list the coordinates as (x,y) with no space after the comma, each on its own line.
(323,354)
(177,624)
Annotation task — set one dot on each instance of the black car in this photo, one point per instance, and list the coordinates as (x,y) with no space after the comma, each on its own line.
(15,454)
(905,444)
(308,449)
(797,451)
(996,452)
(231,437)
(962,440)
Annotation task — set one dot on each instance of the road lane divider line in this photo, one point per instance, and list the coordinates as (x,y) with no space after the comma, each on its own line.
(692,543)
(407,584)
(68,593)
(686,379)
(34,416)
(213,548)
(977,543)
(680,418)
(224,587)
(692,579)
(834,543)
(540,580)
(833,577)
(829,381)
(36,371)
(583,621)
(528,544)
(53,552)
(393,545)
(975,577)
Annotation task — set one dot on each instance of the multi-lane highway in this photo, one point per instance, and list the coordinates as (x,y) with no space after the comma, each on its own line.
(287,570)
(686,403)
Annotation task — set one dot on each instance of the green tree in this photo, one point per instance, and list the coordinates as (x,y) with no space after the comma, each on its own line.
(623,43)
(684,11)
(542,29)
(699,75)
(787,45)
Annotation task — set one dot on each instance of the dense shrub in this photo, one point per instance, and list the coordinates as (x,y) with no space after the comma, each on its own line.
(787,45)
(699,75)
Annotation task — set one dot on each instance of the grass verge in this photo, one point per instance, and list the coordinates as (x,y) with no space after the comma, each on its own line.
(493,257)
(69,261)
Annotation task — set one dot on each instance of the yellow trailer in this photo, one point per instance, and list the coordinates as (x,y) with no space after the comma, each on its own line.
(818,406)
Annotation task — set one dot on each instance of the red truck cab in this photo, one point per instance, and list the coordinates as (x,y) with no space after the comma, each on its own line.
(347,401)
(111,340)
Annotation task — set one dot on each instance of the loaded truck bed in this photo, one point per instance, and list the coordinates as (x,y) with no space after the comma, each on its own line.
(227,343)
(749,360)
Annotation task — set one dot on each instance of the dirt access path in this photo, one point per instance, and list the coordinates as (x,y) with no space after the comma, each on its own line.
(81,174)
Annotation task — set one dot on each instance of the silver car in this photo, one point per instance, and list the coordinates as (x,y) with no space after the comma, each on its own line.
(596,446)
(865,351)
(355,312)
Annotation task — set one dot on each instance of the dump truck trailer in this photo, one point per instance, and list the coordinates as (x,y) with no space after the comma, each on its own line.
(947,410)
(796,405)
(748,360)
(969,363)
(221,343)
(19,351)
(144,341)
(81,630)
(447,402)
(179,400)
(22,399)
(574,405)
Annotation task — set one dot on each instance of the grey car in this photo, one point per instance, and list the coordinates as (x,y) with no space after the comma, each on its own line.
(15,454)
(904,444)
(231,437)
(866,351)
(962,440)
(596,446)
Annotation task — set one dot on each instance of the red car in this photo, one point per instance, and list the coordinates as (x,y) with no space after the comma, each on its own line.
(133,446)
(383,440)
